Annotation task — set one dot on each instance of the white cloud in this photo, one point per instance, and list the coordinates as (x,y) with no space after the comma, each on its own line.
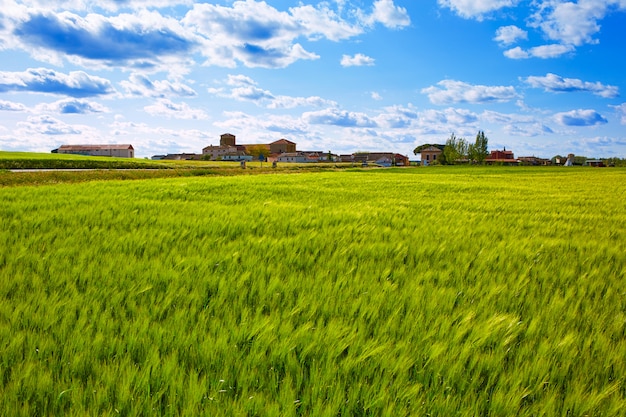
(337,117)
(376,96)
(443,122)
(388,14)
(11,106)
(517,124)
(543,51)
(244,88)
(398,117)
(573,23)
(288,102)
(528,129)
(516,53)
(256,128)
(476,9)
(141,86)
(72,106)
(555,83)
(240,80)
(451,91)
(169,109)
(258,35)
(142,39)
(550,51)
(247,32)
(357,60)
(43,80)
(507,35)
(621,112)
(580,118)
(250,93)
(46,125)
(322,22)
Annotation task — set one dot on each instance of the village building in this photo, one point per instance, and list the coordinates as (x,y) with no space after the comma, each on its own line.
(431,154)
(298,157)
(533,160)
(118,151)
(229,150)
(218,152)
(282,146)
(503,157)
(181,157)
(385,159)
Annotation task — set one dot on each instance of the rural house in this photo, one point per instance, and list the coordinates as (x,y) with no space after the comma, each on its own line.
(431,154)
(282,146)
(292,157)
(119,151)
(503,157)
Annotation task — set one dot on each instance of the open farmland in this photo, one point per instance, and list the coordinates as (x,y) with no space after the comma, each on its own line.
(459,291)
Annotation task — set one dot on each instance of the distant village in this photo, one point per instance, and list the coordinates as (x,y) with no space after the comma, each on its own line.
(284,151)
(281,150)
(432,153)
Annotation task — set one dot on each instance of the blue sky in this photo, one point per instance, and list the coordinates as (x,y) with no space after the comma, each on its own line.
(540,77)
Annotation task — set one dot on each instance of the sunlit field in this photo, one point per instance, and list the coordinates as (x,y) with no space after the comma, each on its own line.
(443,291)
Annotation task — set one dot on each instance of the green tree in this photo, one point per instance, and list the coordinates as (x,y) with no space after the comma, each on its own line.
(419,149)
(455,149)
(256,150)
(477,152)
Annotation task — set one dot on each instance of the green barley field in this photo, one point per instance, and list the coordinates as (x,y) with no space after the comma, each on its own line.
(442,291)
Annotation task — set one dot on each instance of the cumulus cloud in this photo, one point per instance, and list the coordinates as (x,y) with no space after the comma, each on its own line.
(573,23)
(398,117)
(337,117)
(451,91)
(321,22)
(250,93)
(517,124)
(507,35)
(240,80)
(244,88)
(138,40)
(388,14)
(446,121)
(11,106)
(580,118)
(41,80)
(258,35)
(171,110)
(72,106)
(247,32)
(543,51)
(252,125)
(141,86)
(46,125)
(476,9)
(555,83)
(357,60)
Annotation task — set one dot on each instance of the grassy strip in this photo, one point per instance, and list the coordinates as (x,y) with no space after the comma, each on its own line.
(76,164)
(25,178)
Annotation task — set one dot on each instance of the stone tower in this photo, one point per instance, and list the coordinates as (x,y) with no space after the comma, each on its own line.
(227,140)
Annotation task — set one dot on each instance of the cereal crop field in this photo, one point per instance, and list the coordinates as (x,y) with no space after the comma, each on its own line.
(442,291)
